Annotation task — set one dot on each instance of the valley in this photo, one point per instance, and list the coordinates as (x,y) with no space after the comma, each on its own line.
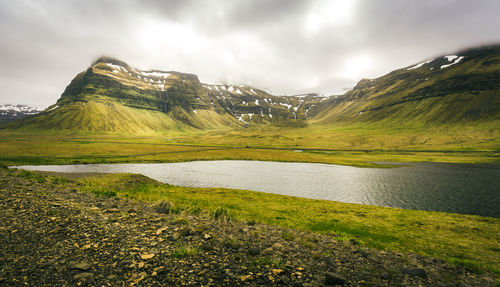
(442,104)
(443,110)
(303,143)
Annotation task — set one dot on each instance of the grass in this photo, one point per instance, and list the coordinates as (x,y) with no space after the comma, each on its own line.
(185,250)
(360,136)
(220,213)
(35,148)
(468,240)
(463,239)
(266,261)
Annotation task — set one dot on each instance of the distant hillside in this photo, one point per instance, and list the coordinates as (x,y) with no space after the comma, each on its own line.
(459,88)
(14,112)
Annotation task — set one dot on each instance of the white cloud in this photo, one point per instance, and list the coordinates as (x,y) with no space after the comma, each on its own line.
(356,66)
(284,46)
(325,14)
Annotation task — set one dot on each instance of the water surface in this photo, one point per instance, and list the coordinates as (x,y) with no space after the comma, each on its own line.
(460,188)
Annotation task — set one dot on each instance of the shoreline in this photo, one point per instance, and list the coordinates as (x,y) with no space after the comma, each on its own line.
(469,240)
(456,209)
(56,232)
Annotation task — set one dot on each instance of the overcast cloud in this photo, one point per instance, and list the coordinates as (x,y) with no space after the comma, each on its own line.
(283,46)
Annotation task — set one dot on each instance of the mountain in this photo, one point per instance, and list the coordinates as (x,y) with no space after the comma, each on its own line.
(459,88)
(14,112)
(112,96)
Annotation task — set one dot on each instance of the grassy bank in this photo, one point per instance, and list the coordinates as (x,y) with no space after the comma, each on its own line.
(464,239)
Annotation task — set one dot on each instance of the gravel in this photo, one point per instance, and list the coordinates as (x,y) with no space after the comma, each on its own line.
(57,235)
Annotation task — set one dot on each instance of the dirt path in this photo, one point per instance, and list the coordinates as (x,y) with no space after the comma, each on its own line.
(55,235)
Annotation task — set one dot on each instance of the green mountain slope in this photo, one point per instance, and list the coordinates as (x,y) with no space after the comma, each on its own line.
(111,96)
(461,88)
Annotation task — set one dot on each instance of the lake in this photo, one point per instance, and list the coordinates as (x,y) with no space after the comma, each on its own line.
(459,188)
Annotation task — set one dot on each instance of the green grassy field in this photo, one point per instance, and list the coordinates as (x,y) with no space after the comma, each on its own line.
(463,239)
(375,136)
(336,146)
(468,240)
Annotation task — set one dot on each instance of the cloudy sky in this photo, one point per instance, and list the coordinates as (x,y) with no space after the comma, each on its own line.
(283,46)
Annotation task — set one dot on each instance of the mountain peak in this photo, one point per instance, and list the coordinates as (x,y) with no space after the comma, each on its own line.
(110,60)
(113,96)
(114,66)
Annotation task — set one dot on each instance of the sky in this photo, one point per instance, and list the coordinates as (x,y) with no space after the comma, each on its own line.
(285,47)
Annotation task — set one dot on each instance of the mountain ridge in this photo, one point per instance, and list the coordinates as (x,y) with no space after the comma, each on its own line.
(11,112)
(111,96)
(176,100)
(465,84)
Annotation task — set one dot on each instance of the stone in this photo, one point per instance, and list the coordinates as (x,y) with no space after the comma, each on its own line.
(253,251)
(160,230)
(284,280)
(154,251)
(277,245)
(276,271)
(385,276)
(113,210)
(83,275)
(147,256)
(163,207)
(245,277)
(414,272)
(186,231)
(332,278)
(84,266)
(206,246)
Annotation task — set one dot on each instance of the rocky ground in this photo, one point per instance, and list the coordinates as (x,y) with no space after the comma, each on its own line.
(56,235)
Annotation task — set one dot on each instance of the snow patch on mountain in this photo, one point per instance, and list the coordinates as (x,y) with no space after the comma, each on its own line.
(155,74)
(286,105)
(21,108)
(452,58)
(9,112)
(419,65)
(116,68)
